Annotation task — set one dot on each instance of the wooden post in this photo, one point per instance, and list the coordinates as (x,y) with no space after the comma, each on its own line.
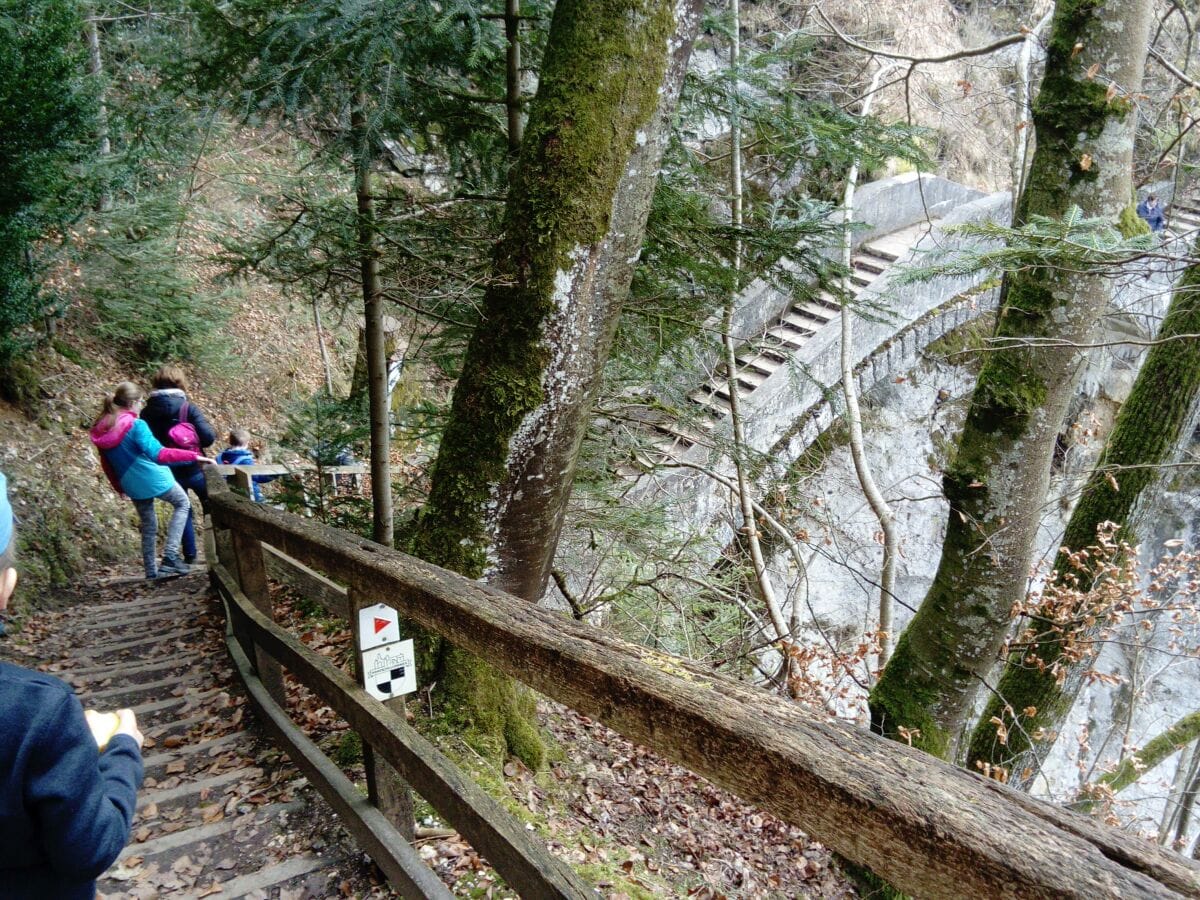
(244,481)
(252,577)
(387,791)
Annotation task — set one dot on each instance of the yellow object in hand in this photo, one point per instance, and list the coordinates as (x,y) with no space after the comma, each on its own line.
(103,726)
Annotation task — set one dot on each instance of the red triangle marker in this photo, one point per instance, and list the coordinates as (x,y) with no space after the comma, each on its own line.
(381,624)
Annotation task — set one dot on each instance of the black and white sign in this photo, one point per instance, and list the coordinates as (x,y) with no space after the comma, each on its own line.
(390,671)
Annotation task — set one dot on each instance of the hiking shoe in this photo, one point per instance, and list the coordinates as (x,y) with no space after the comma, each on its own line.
(171,566)
(189,560)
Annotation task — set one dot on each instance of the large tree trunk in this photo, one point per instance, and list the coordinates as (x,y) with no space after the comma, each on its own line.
(379,401)
(1148,431)
(999,478)
(578,203)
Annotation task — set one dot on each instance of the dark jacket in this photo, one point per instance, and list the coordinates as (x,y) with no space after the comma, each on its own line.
(65,808)
(161,413)
(1154,217)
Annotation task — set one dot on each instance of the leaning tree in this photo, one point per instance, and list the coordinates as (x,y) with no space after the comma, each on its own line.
(578,201)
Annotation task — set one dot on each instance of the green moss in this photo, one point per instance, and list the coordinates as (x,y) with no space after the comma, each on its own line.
(963,344)
(1067,107)
(493,713)
(901,701)
(599,86)
(348,751)
(21,384)
(870,886)
(1148,427)
(1130,224)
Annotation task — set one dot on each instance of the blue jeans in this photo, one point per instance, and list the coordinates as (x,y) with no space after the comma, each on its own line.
(198,486)
(183,508)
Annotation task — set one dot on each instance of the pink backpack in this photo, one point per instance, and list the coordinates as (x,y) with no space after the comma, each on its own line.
(183,433)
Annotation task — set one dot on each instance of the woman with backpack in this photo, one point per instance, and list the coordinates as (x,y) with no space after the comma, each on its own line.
(135,464)
(177,422)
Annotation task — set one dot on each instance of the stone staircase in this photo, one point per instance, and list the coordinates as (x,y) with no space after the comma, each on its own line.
(760,357)
(1183,217)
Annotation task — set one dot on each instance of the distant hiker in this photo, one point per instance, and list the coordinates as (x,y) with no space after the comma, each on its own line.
(1150,210)
(177,422)
(239,454)
(131,457)
(65,809)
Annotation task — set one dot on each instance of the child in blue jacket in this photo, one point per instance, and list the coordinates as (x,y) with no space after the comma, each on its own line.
(67,794)
(134,463)
(239,454)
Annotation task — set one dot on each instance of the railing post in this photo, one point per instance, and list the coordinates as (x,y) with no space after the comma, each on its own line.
(244,481)
(387,791)
(252,577)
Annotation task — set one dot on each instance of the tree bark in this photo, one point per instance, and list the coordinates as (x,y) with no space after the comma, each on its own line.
(374,340)
(1175,817)
(1148,431)
(862,467)
(999,478)
(512,100)
(96,70)
(326,367)
(576,216)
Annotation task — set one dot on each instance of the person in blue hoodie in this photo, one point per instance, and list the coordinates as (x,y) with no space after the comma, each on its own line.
(168,398)
(238,453)
(1151,210)
(135,464)
(68,787)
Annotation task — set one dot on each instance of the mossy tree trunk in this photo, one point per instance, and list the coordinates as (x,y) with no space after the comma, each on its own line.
(1148,431)
(999,478)
(578,201)
(1160,748)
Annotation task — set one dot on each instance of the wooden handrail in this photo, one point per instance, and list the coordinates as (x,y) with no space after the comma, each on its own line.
(300,469)
(929,828)
(386,845)
(523,863)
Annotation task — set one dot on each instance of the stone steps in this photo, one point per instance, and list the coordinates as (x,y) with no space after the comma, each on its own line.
(758,359)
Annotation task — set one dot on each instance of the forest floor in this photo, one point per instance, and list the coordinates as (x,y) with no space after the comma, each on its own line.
(631,822)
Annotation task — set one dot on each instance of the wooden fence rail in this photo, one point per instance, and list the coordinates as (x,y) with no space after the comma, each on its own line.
(929,828)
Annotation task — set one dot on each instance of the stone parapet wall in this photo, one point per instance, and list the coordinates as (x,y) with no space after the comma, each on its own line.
(884,206)
(905,320)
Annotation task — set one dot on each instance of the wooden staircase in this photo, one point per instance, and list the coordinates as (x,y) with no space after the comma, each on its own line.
(221,814)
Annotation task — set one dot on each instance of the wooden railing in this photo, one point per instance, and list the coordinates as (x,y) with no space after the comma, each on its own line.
(929,828)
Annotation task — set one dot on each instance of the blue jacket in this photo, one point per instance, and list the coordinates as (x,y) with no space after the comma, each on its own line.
(1153,217)
(65,808)
(131,457)
(161,413)
(6,516)
(241,456)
